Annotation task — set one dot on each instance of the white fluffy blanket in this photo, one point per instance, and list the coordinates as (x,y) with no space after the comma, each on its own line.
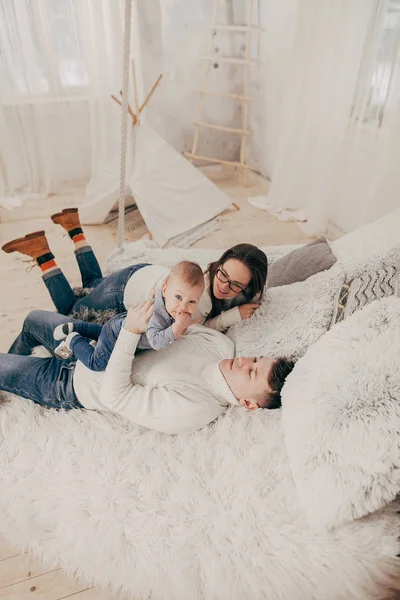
(210,515)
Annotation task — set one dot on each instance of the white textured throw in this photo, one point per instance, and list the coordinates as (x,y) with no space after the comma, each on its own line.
(209,515)
(145,250)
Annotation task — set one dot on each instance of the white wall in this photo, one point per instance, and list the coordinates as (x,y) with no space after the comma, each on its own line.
(174,36)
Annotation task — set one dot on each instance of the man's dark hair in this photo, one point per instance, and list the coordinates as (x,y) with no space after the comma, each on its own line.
(280,369)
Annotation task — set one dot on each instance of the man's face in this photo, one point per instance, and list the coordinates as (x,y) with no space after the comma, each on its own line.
(247,378)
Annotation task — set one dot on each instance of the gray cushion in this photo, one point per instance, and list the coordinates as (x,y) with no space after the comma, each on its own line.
(301,263)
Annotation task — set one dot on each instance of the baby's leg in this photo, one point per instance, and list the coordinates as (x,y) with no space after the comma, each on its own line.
(88,330)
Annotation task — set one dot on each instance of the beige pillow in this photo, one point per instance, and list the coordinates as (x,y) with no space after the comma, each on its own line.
(301,263)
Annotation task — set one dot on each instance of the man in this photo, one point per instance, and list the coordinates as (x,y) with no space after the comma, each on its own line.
(181,388)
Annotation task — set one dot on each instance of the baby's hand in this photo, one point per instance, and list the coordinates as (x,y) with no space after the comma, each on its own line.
(182,322)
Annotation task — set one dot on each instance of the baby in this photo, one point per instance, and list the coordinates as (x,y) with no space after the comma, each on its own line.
(174,304)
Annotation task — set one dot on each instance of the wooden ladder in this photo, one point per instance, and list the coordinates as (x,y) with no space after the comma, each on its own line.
(244,98)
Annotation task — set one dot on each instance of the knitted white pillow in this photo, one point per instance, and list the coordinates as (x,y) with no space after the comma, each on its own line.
(341,417)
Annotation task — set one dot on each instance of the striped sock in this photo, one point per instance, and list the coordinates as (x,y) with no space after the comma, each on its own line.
(78,238)
(47,263)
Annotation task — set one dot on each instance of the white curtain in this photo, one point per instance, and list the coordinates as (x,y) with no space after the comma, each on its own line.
(59,62)
(339,127)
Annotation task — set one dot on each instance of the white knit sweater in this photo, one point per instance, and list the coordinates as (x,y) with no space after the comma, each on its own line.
(180,388)
(143,282)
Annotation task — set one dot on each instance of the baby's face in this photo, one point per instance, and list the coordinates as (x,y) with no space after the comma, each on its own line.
(181,297)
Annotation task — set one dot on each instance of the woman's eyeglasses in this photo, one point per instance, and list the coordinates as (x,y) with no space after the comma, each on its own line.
(233,286)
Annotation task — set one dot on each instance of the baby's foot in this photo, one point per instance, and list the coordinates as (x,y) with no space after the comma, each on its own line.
(63,351)
(61,331)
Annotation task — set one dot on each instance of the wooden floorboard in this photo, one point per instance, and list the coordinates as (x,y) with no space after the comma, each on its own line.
(20,568)
(91,594)
(50,586)
(7,550)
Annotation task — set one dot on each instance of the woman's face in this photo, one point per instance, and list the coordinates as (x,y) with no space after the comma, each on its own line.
(234,271)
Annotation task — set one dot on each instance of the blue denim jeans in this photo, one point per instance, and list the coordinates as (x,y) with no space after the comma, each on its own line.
(46,381)
(108,292)
(96,358)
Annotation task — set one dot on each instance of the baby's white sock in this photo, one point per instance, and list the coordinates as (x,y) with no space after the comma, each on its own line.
(61,331)
(63,349)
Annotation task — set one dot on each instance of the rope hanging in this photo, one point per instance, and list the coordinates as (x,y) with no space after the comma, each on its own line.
(124,121)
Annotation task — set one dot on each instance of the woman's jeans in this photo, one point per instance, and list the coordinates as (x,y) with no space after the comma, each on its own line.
(108,292)
(46,381)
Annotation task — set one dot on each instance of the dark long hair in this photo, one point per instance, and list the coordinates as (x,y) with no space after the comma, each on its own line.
(257,263)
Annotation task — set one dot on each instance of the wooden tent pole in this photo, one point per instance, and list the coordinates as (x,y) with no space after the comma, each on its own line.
(245,105)
(134,84)
(151,92)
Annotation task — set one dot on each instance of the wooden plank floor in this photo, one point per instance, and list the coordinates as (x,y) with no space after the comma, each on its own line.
(24,578)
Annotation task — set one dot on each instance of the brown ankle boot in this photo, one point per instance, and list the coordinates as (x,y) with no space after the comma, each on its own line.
(34,245)
(68,218)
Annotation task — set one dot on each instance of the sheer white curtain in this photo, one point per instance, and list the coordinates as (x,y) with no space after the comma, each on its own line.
(340,121)
(59,62)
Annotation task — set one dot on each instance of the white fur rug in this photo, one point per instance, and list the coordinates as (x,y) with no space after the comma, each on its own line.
(210,515)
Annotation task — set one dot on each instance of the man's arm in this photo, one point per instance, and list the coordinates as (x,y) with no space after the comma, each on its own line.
(118,393)
(117,382)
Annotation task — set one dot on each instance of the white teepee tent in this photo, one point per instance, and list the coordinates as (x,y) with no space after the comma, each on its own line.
(173,196)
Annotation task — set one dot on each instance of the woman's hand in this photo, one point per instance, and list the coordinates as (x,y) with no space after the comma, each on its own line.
(246,310)
(139,316)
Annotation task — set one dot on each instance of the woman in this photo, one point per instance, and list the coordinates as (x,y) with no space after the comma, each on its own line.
(234,283)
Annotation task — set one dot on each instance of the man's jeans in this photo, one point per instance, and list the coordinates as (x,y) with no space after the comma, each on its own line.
(108,292)
(46,381)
